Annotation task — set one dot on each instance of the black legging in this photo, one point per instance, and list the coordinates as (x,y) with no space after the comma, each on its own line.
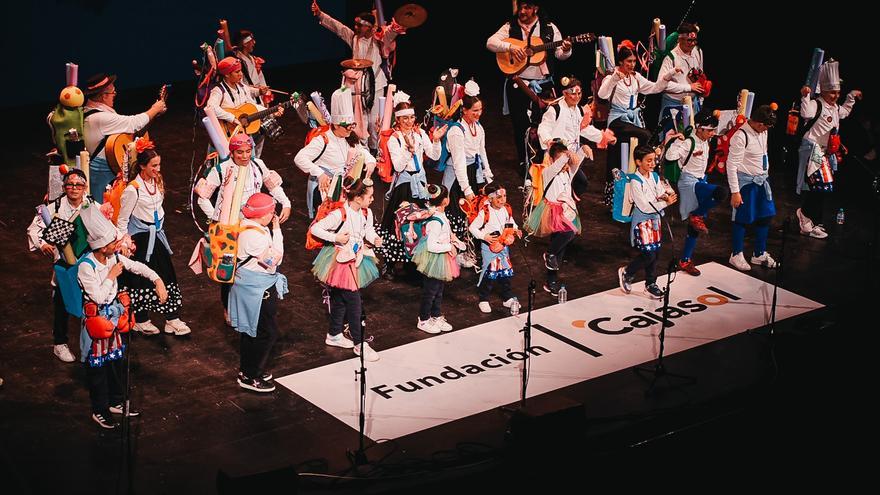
(813,205)
(559,241)
(646,260)
(623,131)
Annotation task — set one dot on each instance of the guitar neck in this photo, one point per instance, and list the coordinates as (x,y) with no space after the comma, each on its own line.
(554,44)
(262,113)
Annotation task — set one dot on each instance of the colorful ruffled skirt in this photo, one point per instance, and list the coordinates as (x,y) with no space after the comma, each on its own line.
(441,266)
(344,275)
(549,217)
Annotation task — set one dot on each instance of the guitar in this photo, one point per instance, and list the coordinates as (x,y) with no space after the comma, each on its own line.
(535,52)
(251,117)
(117,144)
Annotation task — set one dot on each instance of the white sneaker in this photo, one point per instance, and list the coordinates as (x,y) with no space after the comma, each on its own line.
(805,223)
(765,260)
(484,307)
(739,262)
(428,326)
(369,353)
(817,232)
(177,327)
(63,353)
(441,323)
(339,340)
(146,328)
(508,303)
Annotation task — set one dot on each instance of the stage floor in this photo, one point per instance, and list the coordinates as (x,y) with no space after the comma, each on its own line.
(752,391)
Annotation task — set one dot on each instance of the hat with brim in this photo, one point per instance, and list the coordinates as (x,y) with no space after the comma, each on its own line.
(98,83)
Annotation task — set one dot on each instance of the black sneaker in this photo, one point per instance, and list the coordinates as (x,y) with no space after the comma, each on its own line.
(117,409)
(105,422)
(550,262)
(255,384)
(624,281)
(553,288)
(654,291)
(265,376)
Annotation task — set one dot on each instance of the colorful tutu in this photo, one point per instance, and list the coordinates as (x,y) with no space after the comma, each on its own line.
(549,217)
(344,275)
(441,266)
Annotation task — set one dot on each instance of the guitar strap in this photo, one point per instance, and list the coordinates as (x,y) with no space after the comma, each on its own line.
(103,141)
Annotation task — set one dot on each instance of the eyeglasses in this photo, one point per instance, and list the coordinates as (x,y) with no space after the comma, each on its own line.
(75,185)
(347,125)
(692,41)
(576,93)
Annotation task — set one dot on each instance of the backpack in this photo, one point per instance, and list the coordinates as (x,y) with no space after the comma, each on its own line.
(410,221)
(440,166)
(315,132)
(114,195)
(480,204)
(719,158)
(220,251)
(621,206)
(68,284)
(383,160)
(672,168)
(660,56)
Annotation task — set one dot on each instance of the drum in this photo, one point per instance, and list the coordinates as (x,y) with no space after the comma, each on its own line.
(271,128)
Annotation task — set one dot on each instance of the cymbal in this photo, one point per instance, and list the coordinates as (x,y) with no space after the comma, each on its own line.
(356,63)
(411,15)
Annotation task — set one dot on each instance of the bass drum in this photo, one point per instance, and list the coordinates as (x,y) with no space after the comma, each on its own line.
(271,128)
(368,88)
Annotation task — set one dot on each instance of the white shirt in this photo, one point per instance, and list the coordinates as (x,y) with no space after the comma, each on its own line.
(260,243)
(335,157)
(498,218)
(368,49)
(258,78)
(560,189)
(438,235)
(36,228)
(359,226)
(235,97)
(644,193)
(253,184)
(685,62)
(496,44)
(138,202)
(402,159)
(102,290)
(566,126)
(106,122)
(696,165)
(463,146)
(829,119)
(746,159)
(634,85)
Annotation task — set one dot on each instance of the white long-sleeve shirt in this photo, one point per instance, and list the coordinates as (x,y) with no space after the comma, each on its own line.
(106,122)
(333,159)
(359,226)
(746,155)
(644,193)
(496,44)
(259,243)
(829,119)
(498,218)
(685,62)
(138,201)
(363,48)
(36,227)
(258,78)
(560,189)
(632,86)
(464,144)
(225,96)
(565,126)
(102,290)
(253,184)
(438,235)
(699,160)
(402,158)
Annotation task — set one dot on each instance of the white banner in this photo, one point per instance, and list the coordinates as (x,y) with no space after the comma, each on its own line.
(450,376)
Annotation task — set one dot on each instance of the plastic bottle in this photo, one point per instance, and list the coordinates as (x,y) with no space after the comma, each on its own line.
(514,308)
(563,294)
(841,217)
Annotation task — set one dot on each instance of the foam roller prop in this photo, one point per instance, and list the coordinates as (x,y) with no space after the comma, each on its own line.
(812,81)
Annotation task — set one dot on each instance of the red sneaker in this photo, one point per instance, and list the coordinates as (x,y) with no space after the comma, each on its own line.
(689,268)
(698,224)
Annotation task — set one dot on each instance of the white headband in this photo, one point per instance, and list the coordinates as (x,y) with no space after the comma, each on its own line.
(404,112)
(246,39)
(497,193)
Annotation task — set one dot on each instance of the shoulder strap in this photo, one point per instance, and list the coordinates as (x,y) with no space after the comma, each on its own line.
(91,111)
(691,151)
(815,118)
(745,135)
(323,149)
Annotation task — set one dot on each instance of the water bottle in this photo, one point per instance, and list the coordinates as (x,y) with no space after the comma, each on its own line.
(841,217)
(514,307)
(563,294)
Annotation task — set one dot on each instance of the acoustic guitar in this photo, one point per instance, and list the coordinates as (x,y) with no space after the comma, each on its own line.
(117,144)
(536,52)
(251,117)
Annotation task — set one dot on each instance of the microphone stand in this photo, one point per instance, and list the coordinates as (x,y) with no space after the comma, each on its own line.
(527,342)
(359,457)
(659,369)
